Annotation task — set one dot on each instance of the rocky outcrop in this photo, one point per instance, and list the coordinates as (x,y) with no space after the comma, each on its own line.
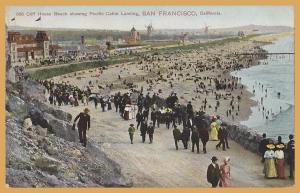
(42,149)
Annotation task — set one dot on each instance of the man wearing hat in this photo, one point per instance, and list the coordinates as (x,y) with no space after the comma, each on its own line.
(189,110)
(213,172)
(263,146)
(150,131)
(195,139)
(291,155)
(177,136)
(84,124)
(144,128)
(131,131)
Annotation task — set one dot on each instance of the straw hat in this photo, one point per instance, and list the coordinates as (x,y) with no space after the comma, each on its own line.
(280,146)
(270,146)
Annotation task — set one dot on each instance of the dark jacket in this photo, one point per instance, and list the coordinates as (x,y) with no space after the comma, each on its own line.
(176,134)
(213,174)
(144,128)
(221,133)
(139,117)
(186,134)
(262,145)
(84,121)
(195,135)
(291,149)
(153,115)
(150,130)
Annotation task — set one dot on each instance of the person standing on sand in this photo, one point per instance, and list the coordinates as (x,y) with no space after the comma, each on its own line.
(291,155)
(279,141)
(225,133)
(185,137)
(221,136)
(213,172)
(144,128)
(263,147)
(96,101)
(189,110)
(225,175)
(177,136)
(83,125)
(131,131)
(139,119)
(116,102)
(214,131)
(279,160)
(195,139)
(150,131)
(269,167)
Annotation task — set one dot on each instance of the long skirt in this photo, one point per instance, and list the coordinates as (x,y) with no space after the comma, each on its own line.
(225,181)
(280,168)
(270,169)
(213,134)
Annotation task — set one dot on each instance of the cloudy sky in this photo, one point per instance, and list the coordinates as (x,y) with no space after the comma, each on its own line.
(221,16)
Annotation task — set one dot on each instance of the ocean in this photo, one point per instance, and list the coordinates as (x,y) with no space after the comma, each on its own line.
(272,83)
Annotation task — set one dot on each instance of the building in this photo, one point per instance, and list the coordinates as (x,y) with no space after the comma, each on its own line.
(134,37)
(27,47)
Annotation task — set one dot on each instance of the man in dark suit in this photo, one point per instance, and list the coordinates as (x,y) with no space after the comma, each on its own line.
(139,119)
(263,147)
(144,128)
(186,137)
(177,136)
(213,172)
(291,155)
(195,139)
(83,125)
(221,136)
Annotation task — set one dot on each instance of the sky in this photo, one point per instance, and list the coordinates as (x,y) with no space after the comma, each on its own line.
(223,16)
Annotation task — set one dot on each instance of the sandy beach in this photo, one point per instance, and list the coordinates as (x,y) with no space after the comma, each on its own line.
(161,72)
(159,164)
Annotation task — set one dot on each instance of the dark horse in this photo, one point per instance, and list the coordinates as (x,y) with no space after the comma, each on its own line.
(202,125)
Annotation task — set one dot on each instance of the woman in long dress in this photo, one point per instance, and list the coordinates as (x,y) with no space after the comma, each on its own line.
(213,131)
(279,160)
(225,173)
(269,168)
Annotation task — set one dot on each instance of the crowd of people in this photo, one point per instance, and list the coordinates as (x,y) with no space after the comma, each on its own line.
(195,125)
(190,124)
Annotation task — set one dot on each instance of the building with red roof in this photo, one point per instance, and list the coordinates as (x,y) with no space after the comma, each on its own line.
(26,47)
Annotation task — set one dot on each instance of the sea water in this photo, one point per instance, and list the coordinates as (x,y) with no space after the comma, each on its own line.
(272,83)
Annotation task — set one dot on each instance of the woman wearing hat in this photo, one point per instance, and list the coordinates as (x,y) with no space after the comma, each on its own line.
(83,125)
(214,130)
(225,173)
(279,160)
(269,167)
